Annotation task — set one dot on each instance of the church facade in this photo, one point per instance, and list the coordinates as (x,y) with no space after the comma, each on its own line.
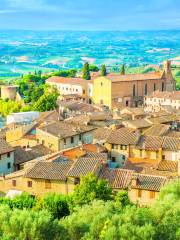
(130,89)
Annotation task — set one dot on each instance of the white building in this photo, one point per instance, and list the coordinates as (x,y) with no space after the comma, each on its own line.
(22,117)
(161,100)
(67,86)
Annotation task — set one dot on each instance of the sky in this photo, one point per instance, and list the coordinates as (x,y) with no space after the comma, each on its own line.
(90,14)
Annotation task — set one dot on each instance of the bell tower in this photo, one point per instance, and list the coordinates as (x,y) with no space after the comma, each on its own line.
(170,84)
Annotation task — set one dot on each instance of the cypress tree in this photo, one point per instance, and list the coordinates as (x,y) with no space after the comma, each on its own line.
(85,72)
(103,70)
(122,70)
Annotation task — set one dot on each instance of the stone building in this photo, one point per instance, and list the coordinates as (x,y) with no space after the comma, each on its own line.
(157,101)
(130,89)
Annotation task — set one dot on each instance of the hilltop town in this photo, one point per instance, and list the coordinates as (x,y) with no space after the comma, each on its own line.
(123,128)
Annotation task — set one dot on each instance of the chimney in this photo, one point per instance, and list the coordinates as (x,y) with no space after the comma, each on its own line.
(134,181)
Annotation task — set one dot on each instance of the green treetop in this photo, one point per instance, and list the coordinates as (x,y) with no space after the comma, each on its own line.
(122,71)
(85,72)
(103,70)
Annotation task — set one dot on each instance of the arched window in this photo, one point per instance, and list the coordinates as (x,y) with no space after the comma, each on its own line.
(154,87)
(134,90)
(162,87)
(145,89)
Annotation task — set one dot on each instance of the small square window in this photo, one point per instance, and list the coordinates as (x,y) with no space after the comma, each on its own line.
(139,193)
(14,183)
(8,165)
(29,184)
(72,139)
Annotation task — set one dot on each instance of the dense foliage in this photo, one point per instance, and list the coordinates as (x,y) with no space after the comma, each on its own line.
(86,72)
(49,218)
(103,70)
(122,70)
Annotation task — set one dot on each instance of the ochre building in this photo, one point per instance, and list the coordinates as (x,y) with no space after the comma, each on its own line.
(130,89)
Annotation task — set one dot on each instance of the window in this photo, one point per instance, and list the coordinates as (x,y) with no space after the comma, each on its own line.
(112,146)
(80,137)
(76,181)
(139,193)
(127,103)
(8,154)
(14,183)
(163,157)
(154,87)
(151,194)
(29,184)
(162,87)
(72,139)
(84,91)
(64,141)
(47,184)
(113,159)
(8,165)
(134,90)
(145,89)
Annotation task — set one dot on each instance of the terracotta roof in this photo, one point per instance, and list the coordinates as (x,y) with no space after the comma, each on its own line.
(171,143)
(173,134)
(76,106)
(149,182)
(74,153)
(133,111)
(114,77)
(117,178)
(168,165)
(84,166)
(122,178)
(22,155)
(96,148)
(123,136)
(163,119)
(140,164)
(5,147)
(49,170)
(150,143)
(102,133)
(157,130)
(83,119)
(49,116)
(137,124)
(65,80)
(63,129)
